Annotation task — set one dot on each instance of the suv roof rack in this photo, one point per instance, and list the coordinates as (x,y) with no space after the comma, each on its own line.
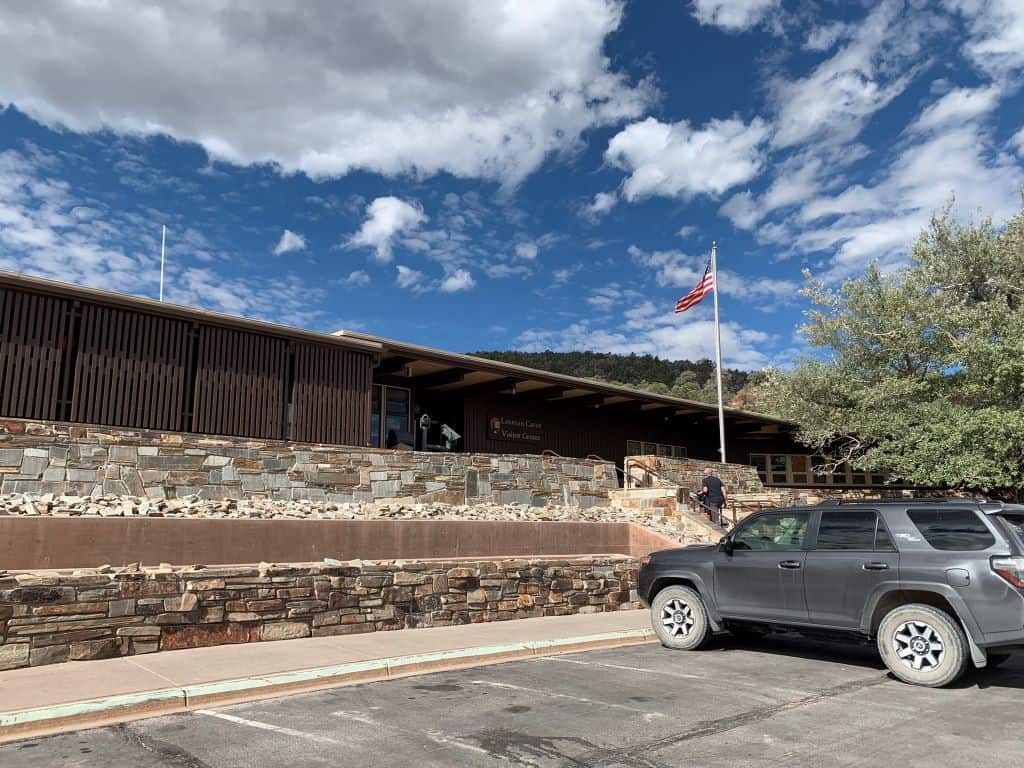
(910,500)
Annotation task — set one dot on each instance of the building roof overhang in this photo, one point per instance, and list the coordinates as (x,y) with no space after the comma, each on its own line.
(427,367)
(435,369)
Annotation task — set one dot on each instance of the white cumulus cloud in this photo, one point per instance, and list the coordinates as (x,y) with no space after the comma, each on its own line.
(357,277)
(386,217)
(477,89)
(459,280)
(1017,142)
(58,230)
(602,203)
(527,251)
(650,331)
(733,15)
(879,222)
(958,106)
(409,277)
(824,37)
(996,40)
(835,100)
(676,160)
(290,241)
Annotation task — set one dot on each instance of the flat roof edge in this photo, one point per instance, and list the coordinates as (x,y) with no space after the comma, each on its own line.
(511,369)
(19,281)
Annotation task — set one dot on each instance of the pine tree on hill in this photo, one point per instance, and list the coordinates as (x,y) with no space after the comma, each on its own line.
(679,378)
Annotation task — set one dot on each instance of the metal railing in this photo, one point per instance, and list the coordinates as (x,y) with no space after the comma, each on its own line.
(595,457)
(648,472)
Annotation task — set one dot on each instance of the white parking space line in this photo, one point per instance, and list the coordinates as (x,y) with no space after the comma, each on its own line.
(622,667)
(267,727)
(555,695)
(757,686)
(437,737)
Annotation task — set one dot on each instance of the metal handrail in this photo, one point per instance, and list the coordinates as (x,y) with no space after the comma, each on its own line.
(649,471)
(595,457)
(716,515)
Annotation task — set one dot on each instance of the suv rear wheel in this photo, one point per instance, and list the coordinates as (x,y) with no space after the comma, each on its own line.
(923,645)
(679,618)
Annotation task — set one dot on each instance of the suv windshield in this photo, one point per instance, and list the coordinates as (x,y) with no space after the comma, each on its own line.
(1016,524)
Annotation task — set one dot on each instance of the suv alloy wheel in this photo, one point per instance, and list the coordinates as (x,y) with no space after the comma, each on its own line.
(923,645)
(680,619)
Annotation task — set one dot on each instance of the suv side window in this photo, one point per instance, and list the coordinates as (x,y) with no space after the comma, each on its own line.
(852,529)
(781,531)
(859,530)
(883,539)
(957,530)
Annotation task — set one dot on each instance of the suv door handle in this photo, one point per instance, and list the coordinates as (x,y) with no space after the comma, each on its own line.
(790,564)
(875,566)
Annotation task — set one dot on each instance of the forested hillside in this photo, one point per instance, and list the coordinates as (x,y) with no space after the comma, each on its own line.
(682,378)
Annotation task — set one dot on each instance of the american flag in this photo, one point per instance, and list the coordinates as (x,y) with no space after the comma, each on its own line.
(704,287)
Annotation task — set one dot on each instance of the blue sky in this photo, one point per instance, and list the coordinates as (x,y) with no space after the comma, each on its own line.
(476,175)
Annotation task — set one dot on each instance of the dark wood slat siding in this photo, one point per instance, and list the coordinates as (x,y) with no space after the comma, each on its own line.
(240,384)
(31,354)
(331,395)
(69,359)
(130,369)
(579,431)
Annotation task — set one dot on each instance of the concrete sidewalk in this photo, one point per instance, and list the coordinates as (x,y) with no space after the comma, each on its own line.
(42,700)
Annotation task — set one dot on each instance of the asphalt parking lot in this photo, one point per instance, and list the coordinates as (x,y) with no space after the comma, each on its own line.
(780,701)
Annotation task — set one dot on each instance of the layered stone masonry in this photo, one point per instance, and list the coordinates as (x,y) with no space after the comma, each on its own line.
(60,458)
(688,474)
(660,509)
(51,617)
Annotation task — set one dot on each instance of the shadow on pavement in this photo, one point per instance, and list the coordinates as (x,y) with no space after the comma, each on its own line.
(840,650)
(830,650)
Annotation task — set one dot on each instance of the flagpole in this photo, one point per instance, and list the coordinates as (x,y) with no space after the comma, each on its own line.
(718,352)
(163,242)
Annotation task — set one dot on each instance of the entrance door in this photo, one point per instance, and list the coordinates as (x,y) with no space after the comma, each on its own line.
(852,555)
(763,577)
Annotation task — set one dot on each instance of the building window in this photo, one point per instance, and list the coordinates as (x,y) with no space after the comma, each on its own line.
(375,416)
(798,469)
(640,448)
(779,468)
(390,426)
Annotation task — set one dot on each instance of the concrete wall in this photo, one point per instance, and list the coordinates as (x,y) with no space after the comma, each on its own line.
(28,543)
(50,618)
(53,457)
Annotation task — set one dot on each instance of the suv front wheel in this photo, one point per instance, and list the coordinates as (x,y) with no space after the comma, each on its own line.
(923,645)
(679,618)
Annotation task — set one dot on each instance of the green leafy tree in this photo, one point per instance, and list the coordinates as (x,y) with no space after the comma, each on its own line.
(921,371)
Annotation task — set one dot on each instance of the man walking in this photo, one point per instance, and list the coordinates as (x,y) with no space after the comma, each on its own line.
(714,494)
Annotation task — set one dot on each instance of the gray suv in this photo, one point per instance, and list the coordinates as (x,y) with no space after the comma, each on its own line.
(938,583)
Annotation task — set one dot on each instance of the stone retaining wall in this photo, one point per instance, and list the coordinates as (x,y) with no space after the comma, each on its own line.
(61,616)
(688,474)
(34,543)
(60,458)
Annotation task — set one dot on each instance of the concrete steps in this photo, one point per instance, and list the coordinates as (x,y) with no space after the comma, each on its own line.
(664,504)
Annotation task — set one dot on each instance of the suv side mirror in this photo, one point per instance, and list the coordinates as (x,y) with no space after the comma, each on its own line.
(725,545)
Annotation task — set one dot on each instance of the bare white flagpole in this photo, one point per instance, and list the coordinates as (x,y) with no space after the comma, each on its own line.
(163,242)
(718,352)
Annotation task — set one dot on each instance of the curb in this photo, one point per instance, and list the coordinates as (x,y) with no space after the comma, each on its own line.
(94,713)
